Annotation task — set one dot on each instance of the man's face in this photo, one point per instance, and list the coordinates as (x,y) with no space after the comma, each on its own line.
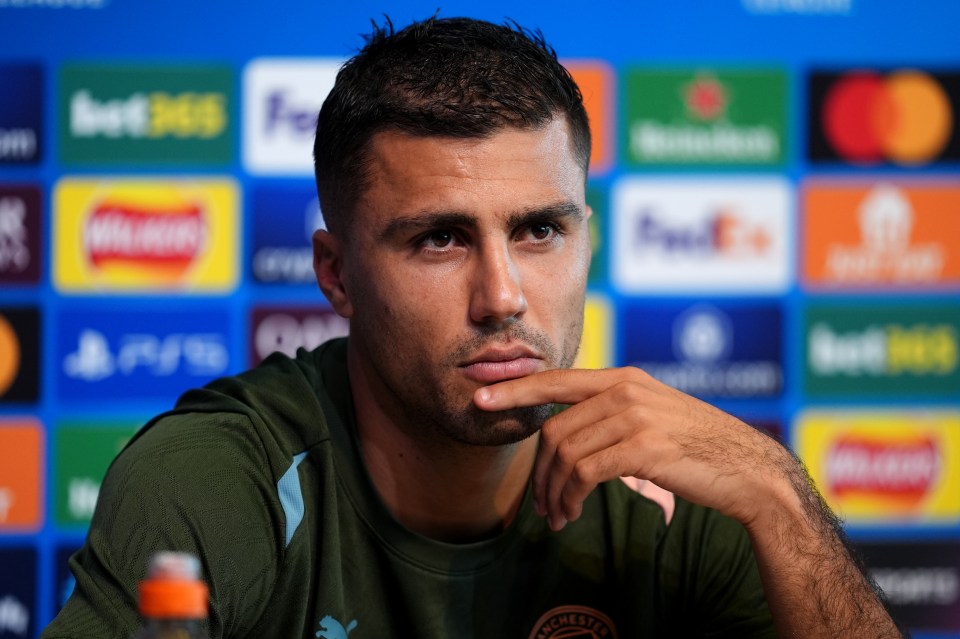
(466,265)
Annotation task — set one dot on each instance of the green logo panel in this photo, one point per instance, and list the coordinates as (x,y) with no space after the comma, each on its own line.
(597,200)
(705,117)
(165,115)
(83,454)
(885,351)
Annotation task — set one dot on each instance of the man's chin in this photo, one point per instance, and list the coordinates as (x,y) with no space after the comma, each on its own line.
(482,428)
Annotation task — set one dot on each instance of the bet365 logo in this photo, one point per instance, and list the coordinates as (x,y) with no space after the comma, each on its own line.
(146,114)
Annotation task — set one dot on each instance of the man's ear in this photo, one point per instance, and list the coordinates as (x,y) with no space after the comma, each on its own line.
(328,267)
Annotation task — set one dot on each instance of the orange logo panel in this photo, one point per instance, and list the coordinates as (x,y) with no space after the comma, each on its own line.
(881,234)
(21,483)
(596,84)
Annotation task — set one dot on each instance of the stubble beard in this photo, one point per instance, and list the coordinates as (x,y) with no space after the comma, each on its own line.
(447,417)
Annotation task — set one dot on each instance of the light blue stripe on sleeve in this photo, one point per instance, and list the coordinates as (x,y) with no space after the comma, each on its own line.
(291,496)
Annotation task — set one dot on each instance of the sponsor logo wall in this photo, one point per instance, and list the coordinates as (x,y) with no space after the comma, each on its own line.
(778,234)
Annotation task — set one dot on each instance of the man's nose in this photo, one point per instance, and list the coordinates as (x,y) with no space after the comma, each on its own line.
(497,295)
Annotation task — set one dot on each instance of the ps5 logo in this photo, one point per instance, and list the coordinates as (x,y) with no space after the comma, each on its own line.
(201,354)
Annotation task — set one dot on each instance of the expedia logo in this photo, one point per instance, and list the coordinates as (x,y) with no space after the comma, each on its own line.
(881,351)
(901,472)
(574,622)
(866,117)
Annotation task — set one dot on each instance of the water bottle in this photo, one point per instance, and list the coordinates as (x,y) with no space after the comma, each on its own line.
(173,600)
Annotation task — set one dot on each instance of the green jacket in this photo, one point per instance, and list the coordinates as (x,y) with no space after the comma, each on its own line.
(260,475)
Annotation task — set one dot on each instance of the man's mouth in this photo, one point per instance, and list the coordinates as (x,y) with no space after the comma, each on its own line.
(499,364)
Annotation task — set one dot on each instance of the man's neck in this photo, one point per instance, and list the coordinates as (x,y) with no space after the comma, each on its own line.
(444,490)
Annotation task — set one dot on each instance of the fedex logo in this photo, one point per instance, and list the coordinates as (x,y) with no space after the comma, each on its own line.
(701,235)
(281,100)
(721,232)
(140,354)
(285,116)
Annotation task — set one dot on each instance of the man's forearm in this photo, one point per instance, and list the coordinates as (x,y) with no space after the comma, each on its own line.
(814,584)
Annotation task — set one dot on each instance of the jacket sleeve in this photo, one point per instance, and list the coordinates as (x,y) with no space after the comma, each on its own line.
(195,482)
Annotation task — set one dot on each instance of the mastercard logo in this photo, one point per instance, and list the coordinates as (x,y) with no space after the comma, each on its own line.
(904,117)
(9,355)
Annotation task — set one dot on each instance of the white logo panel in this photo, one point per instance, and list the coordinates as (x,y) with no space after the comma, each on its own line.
(715,235)
(281,99)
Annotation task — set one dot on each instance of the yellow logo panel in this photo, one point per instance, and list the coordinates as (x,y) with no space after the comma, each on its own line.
(596,344)
(884,467)
(132,235)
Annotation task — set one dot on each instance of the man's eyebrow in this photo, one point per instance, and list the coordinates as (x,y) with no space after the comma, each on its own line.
(550,212)
(408,224)
(425,221)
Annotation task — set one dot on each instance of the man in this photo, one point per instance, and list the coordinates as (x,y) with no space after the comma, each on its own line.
(415,480)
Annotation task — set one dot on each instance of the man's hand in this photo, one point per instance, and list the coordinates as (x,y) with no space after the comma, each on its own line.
(622,422)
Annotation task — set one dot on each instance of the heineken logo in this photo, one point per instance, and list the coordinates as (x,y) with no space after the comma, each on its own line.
(706,118)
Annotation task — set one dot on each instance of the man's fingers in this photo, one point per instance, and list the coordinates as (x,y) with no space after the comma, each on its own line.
(562,386)
(602,466)
(568,470)
(558,429)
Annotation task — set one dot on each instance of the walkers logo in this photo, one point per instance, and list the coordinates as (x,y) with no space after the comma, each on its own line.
(119,114)
(921,581)
(281,100)
(284,219)
(573,622)
(19,354)
(881,235)
(145,235)
(883,350)
(21,475)
(18,583)
(705,118)
(286,329)
(874,467)
(139,354)
(595,79)
(706,350)
(687,235)
(19,234)
(21,114)
(904,117)
(84,451)
(596,348)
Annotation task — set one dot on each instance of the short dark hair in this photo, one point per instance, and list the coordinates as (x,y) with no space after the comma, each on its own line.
(449,77)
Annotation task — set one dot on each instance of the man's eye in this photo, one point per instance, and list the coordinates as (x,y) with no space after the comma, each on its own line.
(542,231)
(439,239)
